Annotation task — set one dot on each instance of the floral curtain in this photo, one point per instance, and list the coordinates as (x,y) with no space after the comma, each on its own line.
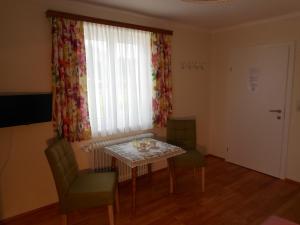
(69,80)
(161,74)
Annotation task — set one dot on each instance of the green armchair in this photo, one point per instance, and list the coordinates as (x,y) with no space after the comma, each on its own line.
(80,190)
(182,132)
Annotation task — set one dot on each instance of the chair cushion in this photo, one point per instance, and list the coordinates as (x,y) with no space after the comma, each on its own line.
(91,190)
(190,159)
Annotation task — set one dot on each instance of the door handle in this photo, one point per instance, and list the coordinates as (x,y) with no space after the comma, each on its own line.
(275,111)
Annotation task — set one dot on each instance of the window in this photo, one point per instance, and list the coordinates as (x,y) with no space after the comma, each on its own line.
(118,79)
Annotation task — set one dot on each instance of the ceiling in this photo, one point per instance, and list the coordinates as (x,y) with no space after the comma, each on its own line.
(206,15)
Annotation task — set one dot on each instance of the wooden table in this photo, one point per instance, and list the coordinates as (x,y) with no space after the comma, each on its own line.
(133,156)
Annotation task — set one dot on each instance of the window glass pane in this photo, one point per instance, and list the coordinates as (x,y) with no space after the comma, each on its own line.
(119,79)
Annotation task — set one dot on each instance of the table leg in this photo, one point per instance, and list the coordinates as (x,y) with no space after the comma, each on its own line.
(171,175)
(113,163)
(134,174)
(203,179)
(150,170)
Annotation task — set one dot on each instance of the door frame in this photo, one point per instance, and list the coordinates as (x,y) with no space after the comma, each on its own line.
(287,108)
(287,104)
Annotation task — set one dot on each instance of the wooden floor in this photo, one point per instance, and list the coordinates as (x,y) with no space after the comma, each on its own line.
(233,196)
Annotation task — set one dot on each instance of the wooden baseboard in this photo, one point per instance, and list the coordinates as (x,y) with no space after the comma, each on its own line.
(286,179)
(9,220)
(291,181)
(214,156)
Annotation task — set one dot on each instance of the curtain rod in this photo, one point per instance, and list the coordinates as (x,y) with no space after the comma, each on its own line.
(51,13)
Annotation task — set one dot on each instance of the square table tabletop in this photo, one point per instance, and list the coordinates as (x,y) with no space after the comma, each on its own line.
(132,156)
(140,152)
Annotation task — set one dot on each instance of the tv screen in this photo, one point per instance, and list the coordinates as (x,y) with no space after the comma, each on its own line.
(22,109)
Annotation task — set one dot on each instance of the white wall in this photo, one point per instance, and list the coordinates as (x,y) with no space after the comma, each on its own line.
(25,62)
(269,32)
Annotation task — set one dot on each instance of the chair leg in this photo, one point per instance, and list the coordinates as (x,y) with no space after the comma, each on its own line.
(110,214)
(173,178)
(117,202)
(171,175)
(64,219)
(203,179)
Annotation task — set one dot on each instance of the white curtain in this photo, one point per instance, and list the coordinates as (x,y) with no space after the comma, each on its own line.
(119,79)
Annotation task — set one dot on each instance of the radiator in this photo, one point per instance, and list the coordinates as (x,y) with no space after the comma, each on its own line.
(101,162)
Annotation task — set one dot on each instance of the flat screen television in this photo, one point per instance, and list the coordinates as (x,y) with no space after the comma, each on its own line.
(22,109)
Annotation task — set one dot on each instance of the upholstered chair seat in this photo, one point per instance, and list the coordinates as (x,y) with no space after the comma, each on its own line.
(78,190)
(182,132)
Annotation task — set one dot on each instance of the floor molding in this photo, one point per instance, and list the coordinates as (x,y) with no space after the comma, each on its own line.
(291,181)
(214,156)
(33,212)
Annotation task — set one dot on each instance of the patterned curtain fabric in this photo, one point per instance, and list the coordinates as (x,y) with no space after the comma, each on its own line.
(161,74)
(69,80)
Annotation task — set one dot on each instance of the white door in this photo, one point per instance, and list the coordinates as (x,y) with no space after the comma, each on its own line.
(256,104)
